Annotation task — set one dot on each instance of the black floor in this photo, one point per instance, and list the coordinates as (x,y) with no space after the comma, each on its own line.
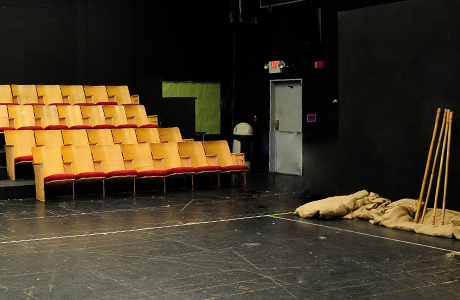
(229,243)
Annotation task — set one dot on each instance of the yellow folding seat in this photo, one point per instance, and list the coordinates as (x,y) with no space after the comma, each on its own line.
(98,95)
(122,96)
(115,114)
(137,114)
(192,154)
(25,94)
(169,153)
(82,165)
(75,94)
(18,149)
(143,162)
(75,137)
(113,164)
(49,170)
(148,135)
(100,137)
(124,136)
(48,138)
(46,116)
(70,116)
(22,117)
(230,162)
(51,95)
(6,96)
(171,134)
(94,116)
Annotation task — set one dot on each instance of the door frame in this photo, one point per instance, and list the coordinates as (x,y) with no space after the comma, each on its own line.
(272,132)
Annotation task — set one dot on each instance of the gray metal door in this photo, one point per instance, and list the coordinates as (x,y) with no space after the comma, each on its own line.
(286,126)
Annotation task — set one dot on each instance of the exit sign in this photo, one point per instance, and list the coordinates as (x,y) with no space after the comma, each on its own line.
(274,67)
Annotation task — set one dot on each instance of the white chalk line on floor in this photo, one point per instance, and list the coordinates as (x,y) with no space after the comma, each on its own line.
(365,234)
(124,231)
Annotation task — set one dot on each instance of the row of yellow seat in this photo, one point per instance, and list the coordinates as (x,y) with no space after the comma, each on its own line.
(66,94)
(74,117)
(67,165)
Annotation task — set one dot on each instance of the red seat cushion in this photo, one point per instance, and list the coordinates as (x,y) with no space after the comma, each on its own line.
(181,170)
(34,103)
(121,173)
(207,168)
(127,126)
(107,103)
(24,158)
(90,175)
(84,104)
(8,103)
(235,168)
(103,126)
(152,173)
(55,177)
(6,128)
(80,127)
(149,126)
(59,103)
(56,127)
(30,128)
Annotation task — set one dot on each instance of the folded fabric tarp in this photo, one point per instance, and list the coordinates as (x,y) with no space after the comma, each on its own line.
(380,211)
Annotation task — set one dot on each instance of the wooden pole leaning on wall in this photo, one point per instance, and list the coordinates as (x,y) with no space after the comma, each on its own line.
(451,115)
(434,166)
(420,199)
(441,162)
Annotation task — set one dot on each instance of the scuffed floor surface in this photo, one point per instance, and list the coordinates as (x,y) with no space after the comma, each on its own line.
(229,243)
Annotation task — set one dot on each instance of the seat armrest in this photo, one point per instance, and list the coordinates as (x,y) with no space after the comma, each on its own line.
(11,122)
(98,166)
(186,161)
(131,119)
(135,99)
(112,98)
(63,121)
(212,160)
(16,99)
(89,99)
(39,181)
(38,122)
(86,121)
(129,164)
(41,99)
(158,163)
(66,99)
(238,158)
(68,168)
(109,120)
(153,119)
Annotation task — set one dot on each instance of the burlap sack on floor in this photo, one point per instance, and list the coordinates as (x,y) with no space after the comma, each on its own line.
(380,211)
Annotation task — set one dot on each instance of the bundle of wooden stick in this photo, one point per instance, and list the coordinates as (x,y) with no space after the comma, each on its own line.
(444,137)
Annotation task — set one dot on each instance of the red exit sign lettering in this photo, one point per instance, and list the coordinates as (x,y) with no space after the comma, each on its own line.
(274,67)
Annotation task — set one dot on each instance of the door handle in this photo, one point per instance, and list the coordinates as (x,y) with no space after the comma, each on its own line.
(277,124)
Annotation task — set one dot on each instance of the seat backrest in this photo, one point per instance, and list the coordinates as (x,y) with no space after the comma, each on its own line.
(100,137)
(169,152)
(51,94)
(195,151)
(75,93)
(98,92)
(110,156)
(80,157)
(221,150)
(26,94)
(5,94)
(4,118)
(51,158)
(147,135)
(170,134)
(22,140)
(117,113)
(70,115)
(138,113)
(49,138)
(121,94)
(140,155)
(75,137)
(23,115)
(46,115)
(94,113)
(124,136)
